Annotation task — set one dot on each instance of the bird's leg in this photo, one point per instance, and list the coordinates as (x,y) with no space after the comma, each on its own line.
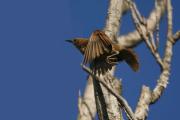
(111,59)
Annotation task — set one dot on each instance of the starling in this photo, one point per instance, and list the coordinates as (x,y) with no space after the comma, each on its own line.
(102,53)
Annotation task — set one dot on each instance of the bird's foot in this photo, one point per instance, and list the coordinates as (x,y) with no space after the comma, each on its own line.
(111,60)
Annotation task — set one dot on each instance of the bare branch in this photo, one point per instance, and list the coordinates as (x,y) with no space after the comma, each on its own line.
(86,103)
(81,102)
(133,38)
(164,77)
(152,97)
(145,34)
(157,29)
(169,17)
(113,18)
(144,30)
(157,36)
(176,36)
(115,11)
(153,49)
(142,108)
(123,103)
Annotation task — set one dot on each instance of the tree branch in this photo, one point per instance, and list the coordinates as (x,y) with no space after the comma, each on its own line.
(176,37)
(142,29)
(133,38)
(115,12)
(142,107)
(148,97)
(86,103)
(164,77)
(123,103)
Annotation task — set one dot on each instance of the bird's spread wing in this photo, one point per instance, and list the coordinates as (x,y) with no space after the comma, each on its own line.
(99,43)
(130,57)
(100,66)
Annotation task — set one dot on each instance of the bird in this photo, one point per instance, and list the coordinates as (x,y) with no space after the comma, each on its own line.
(102,53)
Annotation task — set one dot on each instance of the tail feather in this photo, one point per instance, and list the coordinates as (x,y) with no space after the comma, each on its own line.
(130,57)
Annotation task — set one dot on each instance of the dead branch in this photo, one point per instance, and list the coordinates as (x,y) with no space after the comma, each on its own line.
(86,103)
(146,35)
(133,38)
(111,29)
(147,97)
(88,110)
(123,103)
(144,30)
(176,37)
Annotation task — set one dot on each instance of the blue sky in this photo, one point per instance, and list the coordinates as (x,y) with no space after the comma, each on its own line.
(40,73)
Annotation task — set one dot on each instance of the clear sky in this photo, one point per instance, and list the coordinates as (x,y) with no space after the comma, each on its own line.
(40,73)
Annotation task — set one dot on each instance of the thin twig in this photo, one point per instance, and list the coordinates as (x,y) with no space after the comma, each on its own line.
(120,99)
(140,26)
(164,77)
(169,17)
(176,37)
(153,44)
(87,111)
(157,28)
(132,39)
(148,97)
(83,102)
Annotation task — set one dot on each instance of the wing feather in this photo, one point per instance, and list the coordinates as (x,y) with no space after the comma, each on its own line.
(99,44)
(99,48)
(130,57)
(85,55)
(93,52)
(96,49)
(104,39)
(90,55)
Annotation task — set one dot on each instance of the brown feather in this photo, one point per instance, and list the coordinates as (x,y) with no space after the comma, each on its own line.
(130,57)
(98,47)
(93,50)
(99,43)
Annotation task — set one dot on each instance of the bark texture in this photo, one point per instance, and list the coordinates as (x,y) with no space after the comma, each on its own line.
(103,93)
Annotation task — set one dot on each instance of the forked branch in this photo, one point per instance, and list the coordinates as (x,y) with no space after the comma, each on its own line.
(144,31)
(123,103)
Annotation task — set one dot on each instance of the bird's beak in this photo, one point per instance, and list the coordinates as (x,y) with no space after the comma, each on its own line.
(69,41)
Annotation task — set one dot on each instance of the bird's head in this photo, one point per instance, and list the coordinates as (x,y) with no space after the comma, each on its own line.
(80,43)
